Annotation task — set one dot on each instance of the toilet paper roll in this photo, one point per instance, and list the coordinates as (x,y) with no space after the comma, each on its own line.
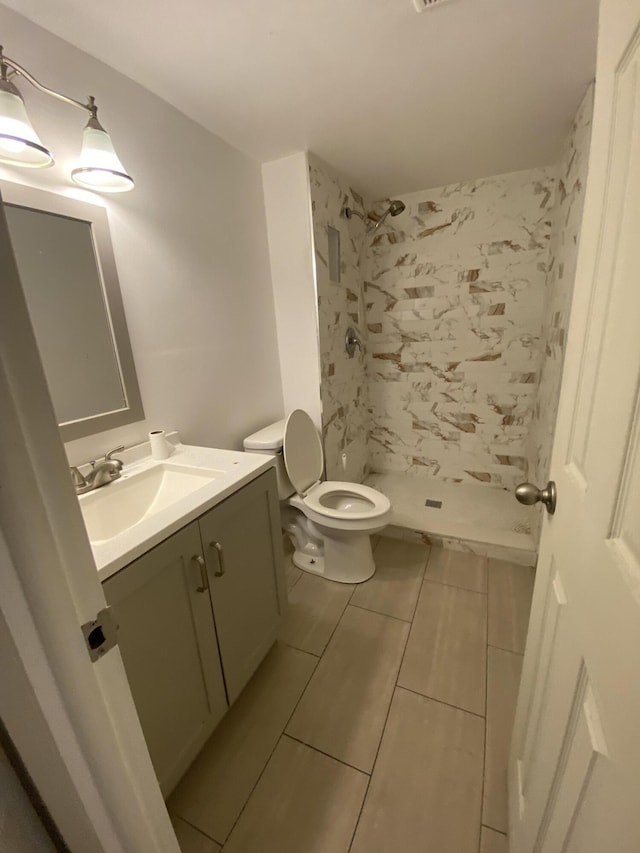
(161,448)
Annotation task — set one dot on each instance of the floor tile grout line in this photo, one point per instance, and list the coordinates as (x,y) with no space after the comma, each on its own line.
(326,754)
(439,701)
(425,579)
(502,649)
(455,585)
(347,605)
(418,596)
(355,587)
(302,692)
(403,621)
(382,731)
(404,651)
(320,656)
(305,690)
(375,760)
(266,764)
(493,829)
(319,660)
(335,627)
(380,613)
(298,577)
(422,583)
(298,649)
(424,574)
(415,605)
(193,826)
(386,719)
(289,588)
(288,558)
(459,588)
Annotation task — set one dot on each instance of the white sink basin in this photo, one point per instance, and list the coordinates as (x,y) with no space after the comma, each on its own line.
(113,509)
(154,499)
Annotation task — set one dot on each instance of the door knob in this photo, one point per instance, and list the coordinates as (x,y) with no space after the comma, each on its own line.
(529,494)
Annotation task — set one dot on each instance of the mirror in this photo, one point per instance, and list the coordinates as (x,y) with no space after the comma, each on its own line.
(65,260)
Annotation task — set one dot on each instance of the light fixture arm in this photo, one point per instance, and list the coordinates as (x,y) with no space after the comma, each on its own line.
(5,63)
(99,168)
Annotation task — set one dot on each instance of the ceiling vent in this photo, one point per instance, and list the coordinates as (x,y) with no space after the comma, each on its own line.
(422,5)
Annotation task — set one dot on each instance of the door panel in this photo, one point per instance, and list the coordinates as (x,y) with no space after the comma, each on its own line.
(557,684)
(168,645)
(574,774)
(242,577)
(619,195)
(583,747)
(555,603)
(625,527)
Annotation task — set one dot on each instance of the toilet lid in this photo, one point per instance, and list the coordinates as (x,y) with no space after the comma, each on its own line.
(302,451)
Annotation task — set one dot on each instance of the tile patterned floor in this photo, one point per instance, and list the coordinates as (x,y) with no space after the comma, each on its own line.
(379,722)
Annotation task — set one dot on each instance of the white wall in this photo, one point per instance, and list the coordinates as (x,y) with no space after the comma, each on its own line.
(190,246)
(288,206)
(344,394)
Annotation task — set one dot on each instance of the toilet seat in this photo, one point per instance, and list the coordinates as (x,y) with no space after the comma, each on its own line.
(341,506)
(317,506)
(335,499)
(346,501)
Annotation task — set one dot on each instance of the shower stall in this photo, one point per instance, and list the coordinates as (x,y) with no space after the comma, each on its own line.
(459,297)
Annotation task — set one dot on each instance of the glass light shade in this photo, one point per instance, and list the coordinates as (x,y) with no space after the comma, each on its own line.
(19,143)
(99,167)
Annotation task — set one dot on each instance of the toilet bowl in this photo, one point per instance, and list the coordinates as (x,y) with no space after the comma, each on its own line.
(329,522)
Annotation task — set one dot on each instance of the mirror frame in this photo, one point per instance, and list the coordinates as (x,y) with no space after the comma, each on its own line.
(96,216)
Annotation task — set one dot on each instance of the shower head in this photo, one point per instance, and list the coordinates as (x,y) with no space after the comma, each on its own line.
(395,207)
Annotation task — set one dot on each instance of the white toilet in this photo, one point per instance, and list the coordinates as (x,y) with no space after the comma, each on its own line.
(330,523)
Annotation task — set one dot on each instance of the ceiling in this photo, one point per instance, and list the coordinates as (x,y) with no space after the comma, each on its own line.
(397,101)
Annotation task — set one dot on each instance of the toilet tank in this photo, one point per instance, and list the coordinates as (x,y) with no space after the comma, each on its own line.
(269,441)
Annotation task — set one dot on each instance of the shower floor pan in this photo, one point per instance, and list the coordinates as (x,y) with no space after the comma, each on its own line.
(482,519)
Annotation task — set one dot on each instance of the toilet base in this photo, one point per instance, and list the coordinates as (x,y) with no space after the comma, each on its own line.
(308,563)
(348,560)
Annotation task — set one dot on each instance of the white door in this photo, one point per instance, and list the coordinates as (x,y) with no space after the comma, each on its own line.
(72,721)
(574,774)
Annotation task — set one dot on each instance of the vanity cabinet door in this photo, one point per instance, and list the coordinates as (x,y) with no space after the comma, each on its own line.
(168,644)
(242,544)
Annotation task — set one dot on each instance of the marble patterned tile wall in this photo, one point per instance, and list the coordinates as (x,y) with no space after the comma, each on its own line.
(567,220)
(455,291)
(345,418)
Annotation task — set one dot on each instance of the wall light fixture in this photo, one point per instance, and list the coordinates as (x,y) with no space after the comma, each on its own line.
(99,167)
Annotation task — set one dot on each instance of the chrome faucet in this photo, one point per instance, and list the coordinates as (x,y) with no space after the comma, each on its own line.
(351,341)
(101,473)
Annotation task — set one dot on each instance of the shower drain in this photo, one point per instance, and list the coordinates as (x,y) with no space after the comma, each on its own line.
(433,504)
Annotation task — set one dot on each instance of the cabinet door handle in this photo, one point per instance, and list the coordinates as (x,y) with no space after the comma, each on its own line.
(204,579)
(221,566)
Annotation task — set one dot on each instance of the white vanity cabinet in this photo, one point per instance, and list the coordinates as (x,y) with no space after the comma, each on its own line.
(238,541)
(168,644)
(198,612)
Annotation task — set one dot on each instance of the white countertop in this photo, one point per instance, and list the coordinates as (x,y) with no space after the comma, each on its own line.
(237,469)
